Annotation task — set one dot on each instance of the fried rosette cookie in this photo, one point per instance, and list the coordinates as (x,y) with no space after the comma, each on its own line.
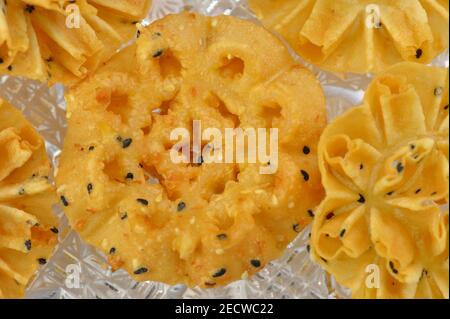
(358,35)
(200,223)
(61,40)
(27,224)
(380,230)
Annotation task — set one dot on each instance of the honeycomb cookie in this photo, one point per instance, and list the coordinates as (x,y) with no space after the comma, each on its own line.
(27,225)
(359,36)
(201,223)
(63,41)
(380,230)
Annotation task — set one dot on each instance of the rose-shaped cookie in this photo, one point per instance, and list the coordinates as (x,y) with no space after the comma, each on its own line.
(27,225)
(359,35)
(64,41)
(384,165)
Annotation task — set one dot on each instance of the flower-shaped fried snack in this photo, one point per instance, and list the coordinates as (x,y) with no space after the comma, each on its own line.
(380,230)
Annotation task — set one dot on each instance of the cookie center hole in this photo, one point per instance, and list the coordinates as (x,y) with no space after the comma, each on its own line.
(116,103)
(270,113)
(169,65)
(152,176)
(232,68)
(114,170)
(337,148)
(219,187)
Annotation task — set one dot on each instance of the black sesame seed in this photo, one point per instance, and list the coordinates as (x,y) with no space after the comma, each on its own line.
(28,244)
(330,215)
(361,199)
(412,147)
(127,142)
(311,213)
(433,193)
(112,251)
(324,260)
(141,271)
(64,201)
(342,234)
(29,8)
(419,53)
(361,167)
(138,34)
(10,68)
(305,175)
(391,264)
(129,176)
(219,273)
(400,167)
(438,91)
(1,61)
(222,236)
(181,206)
(21,191)
(142,201)
(90,187)
(158,53)
(306,150)
(418,191)
(446,107)
(123,216)
(255,263)
(91,148)
(296,228)
(42,261)
(54,230)
(390,193)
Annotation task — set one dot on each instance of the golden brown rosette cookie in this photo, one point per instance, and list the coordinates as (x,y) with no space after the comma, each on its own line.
(384,165)
(358,35)
(198,223)
(27,225)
